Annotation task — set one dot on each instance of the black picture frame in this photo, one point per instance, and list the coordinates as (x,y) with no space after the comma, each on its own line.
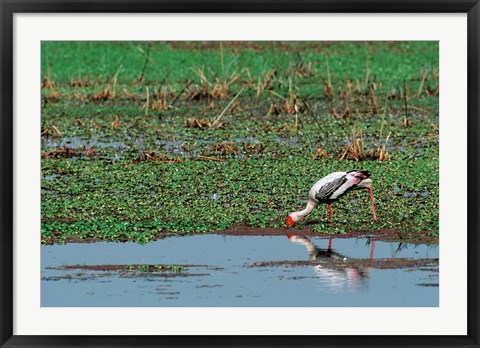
(9,8)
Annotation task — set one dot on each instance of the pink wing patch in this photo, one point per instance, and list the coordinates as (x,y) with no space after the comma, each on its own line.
(355,177)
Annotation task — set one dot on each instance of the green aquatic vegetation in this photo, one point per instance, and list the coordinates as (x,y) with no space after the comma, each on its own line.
(136,202)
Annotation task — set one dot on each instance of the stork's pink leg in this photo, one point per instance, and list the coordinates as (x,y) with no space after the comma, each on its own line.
(372,249)
(330,243)
(330,213)
(373,205)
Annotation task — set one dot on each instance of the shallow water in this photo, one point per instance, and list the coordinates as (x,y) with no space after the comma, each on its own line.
(230,272)
(78,142)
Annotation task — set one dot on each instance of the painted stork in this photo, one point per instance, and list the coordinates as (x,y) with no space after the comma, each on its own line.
(331,188)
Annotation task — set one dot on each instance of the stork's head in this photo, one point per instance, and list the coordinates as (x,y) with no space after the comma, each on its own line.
(291,219)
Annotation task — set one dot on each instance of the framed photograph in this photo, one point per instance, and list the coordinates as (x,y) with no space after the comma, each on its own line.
(239,173)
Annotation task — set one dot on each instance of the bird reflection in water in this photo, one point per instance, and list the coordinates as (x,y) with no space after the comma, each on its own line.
(328,271)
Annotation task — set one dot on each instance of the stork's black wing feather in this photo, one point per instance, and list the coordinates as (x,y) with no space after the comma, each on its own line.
(328,189)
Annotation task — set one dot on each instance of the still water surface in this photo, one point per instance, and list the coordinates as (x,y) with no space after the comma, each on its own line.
(225,276)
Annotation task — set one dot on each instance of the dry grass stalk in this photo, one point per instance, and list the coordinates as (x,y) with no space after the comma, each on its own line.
(63,152)
(211,158)
(129,94)
(328,90)
(357,86)
(141,77)
(291,105)
(114,90)
(416,108)
(217,120)
(253,148)
(101,96)
(145,106)
(53,131)
(275,109)
(348,88)
(372,99)
(179,94)
(202,124)
(267,79)
(78,83)
(367,70)
(47,82)
(265,83)
(53,96)
(210,106)
(266,128)
(380,153)
(56,130)
(216,89)
(145,155)
(321,153)
(224,148)
(116,123)
(420,88)
(77,95)
(287,128)
(356,149)
(301,69)
(406,120)
(250,80)
(348,85)
(344,114)
(159,104)
(90,151)
(236,107)
(430,137)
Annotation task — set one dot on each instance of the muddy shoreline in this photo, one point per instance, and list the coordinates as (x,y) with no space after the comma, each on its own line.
(386,235)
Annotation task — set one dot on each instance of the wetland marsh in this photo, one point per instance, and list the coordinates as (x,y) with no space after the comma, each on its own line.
(146,144)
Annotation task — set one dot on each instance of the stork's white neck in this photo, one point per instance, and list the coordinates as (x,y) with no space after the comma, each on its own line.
(302,213)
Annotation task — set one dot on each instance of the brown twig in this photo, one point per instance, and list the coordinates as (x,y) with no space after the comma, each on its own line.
(182,91)
(418,109)
(419,92)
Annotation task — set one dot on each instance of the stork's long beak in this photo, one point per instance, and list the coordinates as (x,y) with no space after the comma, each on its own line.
(290,222)
(370,189)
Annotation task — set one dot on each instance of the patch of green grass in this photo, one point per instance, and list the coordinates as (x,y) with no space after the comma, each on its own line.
(99,61)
